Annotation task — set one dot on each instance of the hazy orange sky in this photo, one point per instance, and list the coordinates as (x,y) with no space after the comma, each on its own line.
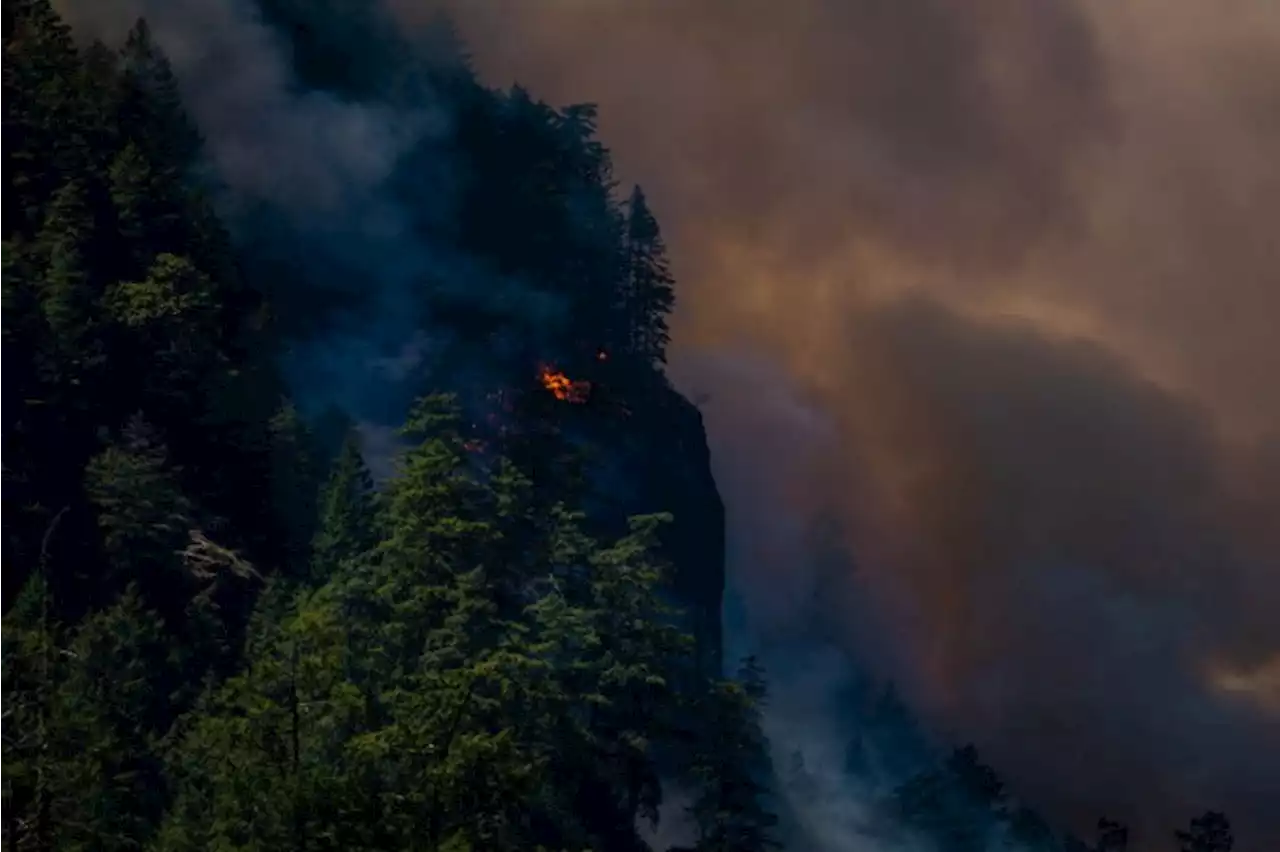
(1007,273)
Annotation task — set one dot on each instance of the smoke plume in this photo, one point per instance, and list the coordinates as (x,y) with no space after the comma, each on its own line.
(333,194)
(1017,256)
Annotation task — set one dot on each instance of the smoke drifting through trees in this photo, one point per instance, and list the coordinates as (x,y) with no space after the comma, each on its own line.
(306,158)
(197,526)
(1027,173)
(1019,256)
(334,192)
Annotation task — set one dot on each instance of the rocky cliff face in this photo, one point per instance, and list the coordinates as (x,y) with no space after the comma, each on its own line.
(673,472)
(657,460)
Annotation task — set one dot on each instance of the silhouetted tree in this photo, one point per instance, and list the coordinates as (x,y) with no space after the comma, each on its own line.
(1112,836)
(649,296)
(1208,833)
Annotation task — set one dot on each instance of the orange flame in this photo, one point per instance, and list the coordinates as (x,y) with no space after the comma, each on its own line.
(562,387)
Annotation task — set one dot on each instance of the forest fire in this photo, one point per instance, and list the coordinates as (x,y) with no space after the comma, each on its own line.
(562,387)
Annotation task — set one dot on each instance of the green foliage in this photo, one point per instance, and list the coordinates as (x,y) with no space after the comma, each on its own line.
(294,478)
(731,765)
(149,106)
(427,691)
(114,698)
(84,713)
(954,803)
(67,297)
(175,297)
(346,512)
(142,512)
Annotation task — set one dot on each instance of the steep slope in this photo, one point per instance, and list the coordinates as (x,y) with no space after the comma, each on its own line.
(213,647)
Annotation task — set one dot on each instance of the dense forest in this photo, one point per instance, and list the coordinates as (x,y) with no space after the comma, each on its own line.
(220,632)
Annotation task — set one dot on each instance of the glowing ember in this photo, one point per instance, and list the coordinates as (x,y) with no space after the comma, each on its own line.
(562,387)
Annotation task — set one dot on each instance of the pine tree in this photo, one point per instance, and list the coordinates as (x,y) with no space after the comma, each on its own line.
(642,652)
(731,765)
(24,690)
(143,516)
(295,483)
(1208,833)
(452,725)
(432,508)
(345,526)
(263,765)
(1027,830)
(649,293)
(174,301)
(610,641)
(47,131)
(150,106)
(1112,836)
(388,702)
(68,296)
(34,799)
(955,804)
(148,218)
(113,701)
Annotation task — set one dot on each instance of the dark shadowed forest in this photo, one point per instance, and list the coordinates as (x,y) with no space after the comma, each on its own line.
(387,536)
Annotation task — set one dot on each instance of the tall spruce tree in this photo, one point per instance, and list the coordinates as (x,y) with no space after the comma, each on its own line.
(68,295)
(345,524)
(732,767)
(1210,832)
(649,294)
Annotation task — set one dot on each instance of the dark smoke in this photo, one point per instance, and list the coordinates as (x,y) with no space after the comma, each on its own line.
(312,167)
(1017,258)
(332,195)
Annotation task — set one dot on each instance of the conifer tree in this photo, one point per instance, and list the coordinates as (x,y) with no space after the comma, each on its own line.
(345,525)
(26,662)
(148,218)
(295,484)
(731,765)
(142,514)
(1028,830)
(150,106)
(649,294)
(642,651)
(954,804)
(263,764)
(68,295)
(1210,832)
(34,753)
(113,703)
(1112,836)
(47,131)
